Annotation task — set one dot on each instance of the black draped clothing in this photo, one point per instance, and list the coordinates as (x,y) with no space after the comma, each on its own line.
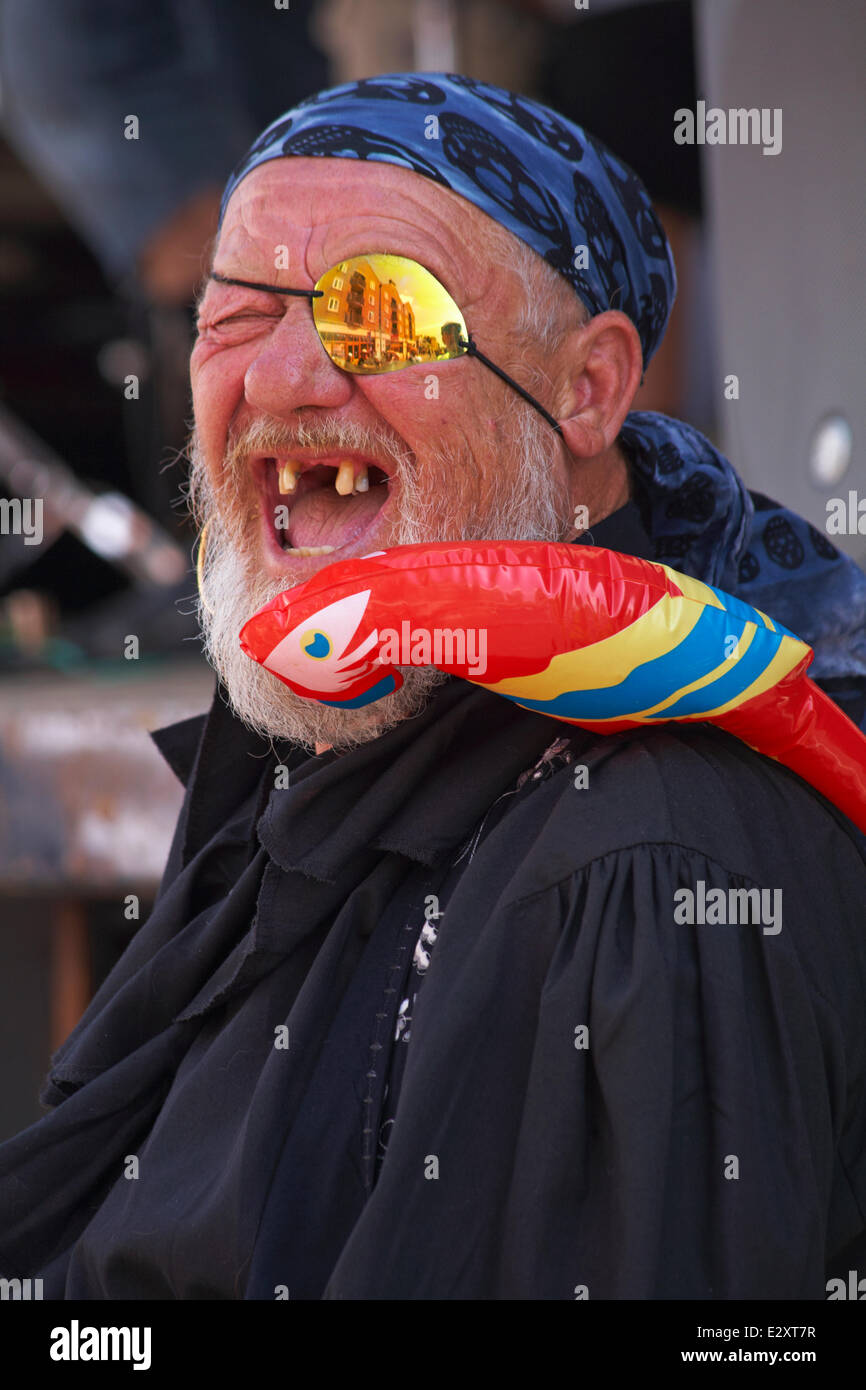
(420,1021)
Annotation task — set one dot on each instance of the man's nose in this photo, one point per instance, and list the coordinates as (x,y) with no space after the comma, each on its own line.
(292,368)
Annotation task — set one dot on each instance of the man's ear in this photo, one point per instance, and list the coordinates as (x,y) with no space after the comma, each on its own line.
(598,370)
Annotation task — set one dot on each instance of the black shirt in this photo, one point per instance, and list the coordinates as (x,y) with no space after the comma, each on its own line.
(595,1095)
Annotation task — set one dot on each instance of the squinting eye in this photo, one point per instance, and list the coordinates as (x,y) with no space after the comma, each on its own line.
(242,318)
(236,320)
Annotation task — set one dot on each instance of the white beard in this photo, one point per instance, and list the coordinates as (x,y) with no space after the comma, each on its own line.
(442,505)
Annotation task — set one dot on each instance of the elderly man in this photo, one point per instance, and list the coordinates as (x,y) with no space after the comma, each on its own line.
(414,1015)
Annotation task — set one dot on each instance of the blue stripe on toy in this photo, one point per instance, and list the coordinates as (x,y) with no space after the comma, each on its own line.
(731,683)
(741,609)
(382,687)
(653,681)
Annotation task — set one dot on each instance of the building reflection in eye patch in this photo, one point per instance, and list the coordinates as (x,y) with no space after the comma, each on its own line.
(381,313)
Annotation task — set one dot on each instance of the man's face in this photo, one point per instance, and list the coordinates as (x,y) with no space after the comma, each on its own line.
(456,457)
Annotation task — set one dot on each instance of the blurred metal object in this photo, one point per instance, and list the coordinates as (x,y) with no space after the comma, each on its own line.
(788,241)
(832,450)
(87,805)
(87,809)
(70,969)
(109,524)
(120,358)
(497,41)
(31,618)
(433,37)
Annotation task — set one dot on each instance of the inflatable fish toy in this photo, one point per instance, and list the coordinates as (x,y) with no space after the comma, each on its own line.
(588,636)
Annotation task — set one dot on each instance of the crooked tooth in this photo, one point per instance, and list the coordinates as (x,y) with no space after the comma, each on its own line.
(345,480)
(362,482)
(287,478)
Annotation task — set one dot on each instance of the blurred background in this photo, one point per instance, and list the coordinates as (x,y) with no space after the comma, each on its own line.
(119,123)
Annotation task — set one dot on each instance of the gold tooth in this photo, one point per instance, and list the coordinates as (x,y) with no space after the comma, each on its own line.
(345,480)
(287,478)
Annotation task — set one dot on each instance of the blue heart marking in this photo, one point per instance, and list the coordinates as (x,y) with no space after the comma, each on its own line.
(319,647)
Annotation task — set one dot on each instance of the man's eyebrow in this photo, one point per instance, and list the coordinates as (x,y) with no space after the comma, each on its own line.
(267,289)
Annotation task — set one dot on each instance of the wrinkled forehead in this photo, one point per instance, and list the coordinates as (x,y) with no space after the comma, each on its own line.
(306,214)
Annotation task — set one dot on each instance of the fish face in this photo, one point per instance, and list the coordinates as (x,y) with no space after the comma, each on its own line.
(326,655)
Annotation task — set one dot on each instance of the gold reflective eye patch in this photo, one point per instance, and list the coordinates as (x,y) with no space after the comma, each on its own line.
(380,313)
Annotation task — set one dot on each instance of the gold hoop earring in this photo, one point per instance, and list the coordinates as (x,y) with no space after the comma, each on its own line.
(199,566)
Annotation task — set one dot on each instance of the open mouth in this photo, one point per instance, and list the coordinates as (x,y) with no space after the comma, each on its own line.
(316,506)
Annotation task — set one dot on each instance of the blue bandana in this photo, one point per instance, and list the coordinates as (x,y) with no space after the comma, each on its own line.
(703,521)
(545,179)
(559,190)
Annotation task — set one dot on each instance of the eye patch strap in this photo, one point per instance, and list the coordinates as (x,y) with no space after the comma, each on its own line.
(268,289)
(472,351)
